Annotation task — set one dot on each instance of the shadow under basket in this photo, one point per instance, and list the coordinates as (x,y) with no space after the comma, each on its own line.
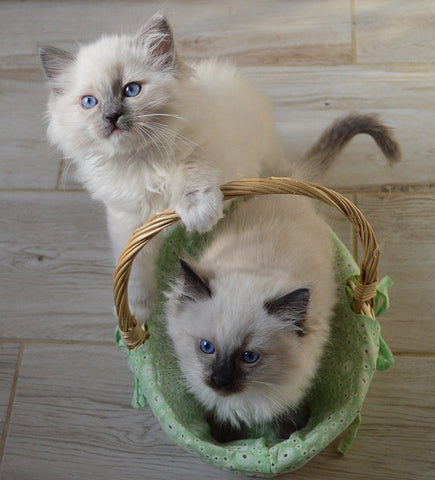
(355,352)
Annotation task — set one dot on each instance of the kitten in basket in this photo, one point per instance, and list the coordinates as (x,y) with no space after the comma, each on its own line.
(148,132)
(249,320)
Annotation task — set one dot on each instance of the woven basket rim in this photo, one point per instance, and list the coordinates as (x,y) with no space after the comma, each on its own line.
(134,334)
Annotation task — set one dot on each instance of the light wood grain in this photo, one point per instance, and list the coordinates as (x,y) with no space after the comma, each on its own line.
(8,363)
(405,228)
(26,159)
(398,31)
(56,265)
(256,32)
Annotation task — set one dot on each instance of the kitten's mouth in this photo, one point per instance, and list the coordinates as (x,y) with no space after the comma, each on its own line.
(115,132)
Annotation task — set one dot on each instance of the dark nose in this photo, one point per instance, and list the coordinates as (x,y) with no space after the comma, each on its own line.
(221,381)
(112,117)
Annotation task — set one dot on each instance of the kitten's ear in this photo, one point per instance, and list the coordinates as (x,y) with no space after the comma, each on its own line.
(54,60)
(194,287)
(157,36)
(291,308)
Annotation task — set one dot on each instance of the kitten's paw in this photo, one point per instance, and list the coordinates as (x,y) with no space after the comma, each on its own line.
(200,209)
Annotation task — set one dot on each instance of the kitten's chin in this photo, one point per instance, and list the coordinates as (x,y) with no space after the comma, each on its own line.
(116,134)
(119,140)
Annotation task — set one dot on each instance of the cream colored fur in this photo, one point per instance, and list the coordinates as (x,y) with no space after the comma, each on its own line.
(269,247)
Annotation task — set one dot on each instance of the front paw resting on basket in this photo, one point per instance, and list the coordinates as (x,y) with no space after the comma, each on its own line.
(200,208)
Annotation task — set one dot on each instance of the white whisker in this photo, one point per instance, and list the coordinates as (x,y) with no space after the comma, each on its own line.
(168,134)
(65,172)
(153,115)
(150,137)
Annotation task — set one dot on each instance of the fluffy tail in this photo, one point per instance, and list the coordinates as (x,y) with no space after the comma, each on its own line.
(331,142)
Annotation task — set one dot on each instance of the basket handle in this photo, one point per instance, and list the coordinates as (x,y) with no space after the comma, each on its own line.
(133,334)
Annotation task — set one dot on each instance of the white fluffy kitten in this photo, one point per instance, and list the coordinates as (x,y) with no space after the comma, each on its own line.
(148,132)
(250,320)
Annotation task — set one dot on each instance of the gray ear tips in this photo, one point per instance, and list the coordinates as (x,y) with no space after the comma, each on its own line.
(157,24)
(159,18)
(43,53)
(194,286)
(291,308)
(156,34)
(54,60)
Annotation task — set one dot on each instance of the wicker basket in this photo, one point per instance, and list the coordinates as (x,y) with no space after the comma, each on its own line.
(261,456)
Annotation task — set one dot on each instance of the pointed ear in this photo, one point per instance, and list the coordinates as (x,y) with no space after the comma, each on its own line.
(291,308)
(54,60)
(157,36)
(194,287)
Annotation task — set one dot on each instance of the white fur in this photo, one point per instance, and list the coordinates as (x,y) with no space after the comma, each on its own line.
(213,127)
(269,247)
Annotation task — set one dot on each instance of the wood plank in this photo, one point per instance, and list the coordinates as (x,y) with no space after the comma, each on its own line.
(8,363)
(253,33)
(72,419)
(56,265)
(405,228)
(399,31)
(270,33)
(26,159)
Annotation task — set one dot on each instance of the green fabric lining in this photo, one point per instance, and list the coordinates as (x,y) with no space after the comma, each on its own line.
(349,363)
(349,436)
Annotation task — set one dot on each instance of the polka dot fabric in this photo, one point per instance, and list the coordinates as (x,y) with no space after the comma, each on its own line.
(355,352)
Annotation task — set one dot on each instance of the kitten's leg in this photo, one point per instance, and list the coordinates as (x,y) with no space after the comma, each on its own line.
(196,196)
(142,284)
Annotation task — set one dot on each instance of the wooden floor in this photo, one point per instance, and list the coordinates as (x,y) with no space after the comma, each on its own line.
(64,388)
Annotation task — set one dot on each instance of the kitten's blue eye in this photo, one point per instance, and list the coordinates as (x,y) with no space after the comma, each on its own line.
(206,347)
(88,101)
(132,89)
(250,357)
